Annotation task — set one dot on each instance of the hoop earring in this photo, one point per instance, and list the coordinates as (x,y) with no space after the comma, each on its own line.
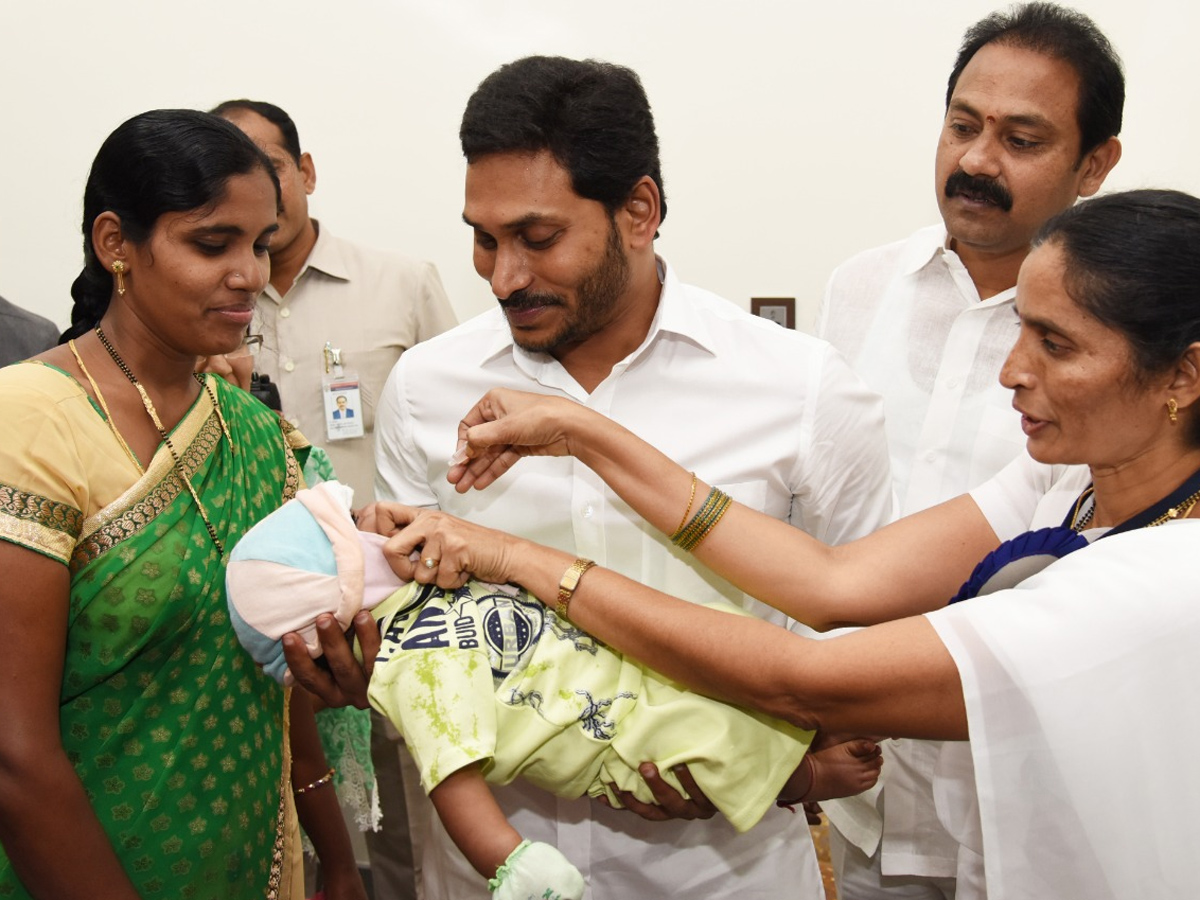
(118,268)
(1172,410)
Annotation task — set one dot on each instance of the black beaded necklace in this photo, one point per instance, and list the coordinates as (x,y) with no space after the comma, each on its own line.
(153,413)
(1176,505)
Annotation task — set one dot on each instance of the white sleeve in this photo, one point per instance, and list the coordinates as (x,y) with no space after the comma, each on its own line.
(844,476)
(1067,678)
(1009,500)
(399,466)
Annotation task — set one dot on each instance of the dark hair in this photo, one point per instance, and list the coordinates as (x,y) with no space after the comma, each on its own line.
(270,112)
(592,116)
(1133,261)
(165,160)
(1066,35)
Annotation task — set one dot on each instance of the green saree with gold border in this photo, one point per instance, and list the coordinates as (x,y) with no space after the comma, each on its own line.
(174,733)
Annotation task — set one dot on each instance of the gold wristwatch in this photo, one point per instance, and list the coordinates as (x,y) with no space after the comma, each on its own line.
(570,581)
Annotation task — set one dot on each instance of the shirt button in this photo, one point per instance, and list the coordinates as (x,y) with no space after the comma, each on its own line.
(587,511)
(284,313)
(930,456)
(954,383)
(289,366)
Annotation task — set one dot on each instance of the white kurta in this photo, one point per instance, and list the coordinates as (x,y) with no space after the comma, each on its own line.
(910,322)
(1080,695)
(772,416)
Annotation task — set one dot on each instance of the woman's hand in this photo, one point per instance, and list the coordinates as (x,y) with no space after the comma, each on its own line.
(432,547)
(506,425)
(342,883)
(344,680)
(236,370)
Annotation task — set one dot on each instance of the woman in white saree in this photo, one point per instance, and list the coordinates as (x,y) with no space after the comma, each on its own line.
(1074,680)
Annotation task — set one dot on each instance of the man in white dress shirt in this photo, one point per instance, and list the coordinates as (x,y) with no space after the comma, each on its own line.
(1033,108)
(564,196)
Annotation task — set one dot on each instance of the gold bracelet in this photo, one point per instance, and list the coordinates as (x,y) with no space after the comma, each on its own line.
(686,512)
(319,783)
(568,584)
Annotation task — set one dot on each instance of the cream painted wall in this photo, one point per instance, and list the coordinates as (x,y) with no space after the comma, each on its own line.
(793,133)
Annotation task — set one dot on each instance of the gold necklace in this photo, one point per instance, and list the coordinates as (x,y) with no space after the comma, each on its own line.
(1078,523)
(112,426)
(1178,511)
(153,413)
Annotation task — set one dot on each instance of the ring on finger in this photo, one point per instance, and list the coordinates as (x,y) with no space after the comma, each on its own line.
(430,562)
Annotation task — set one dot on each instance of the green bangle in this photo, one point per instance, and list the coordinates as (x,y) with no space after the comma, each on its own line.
(715,505)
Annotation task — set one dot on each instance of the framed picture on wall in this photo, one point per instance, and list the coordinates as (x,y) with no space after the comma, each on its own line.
(780,310)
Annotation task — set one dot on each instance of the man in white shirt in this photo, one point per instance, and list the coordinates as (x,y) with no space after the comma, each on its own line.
(1033,108)
(330,296)
(564,195)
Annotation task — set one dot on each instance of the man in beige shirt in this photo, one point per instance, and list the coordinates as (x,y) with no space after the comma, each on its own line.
(369,305)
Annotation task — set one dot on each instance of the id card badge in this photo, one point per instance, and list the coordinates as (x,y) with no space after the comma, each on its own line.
(342,399)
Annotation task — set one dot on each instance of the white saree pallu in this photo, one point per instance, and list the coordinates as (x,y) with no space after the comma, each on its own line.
(1081,688)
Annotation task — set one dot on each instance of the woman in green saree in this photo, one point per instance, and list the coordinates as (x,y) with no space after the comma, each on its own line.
(142,754)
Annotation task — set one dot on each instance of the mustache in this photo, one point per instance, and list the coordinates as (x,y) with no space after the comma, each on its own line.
(527,299)
(986,189)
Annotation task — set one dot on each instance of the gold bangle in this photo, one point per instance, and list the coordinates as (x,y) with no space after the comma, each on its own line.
(319,783)
(568,584)
(686,512)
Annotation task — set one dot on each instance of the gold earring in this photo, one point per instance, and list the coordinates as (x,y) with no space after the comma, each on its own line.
(1172,410)
(118,268)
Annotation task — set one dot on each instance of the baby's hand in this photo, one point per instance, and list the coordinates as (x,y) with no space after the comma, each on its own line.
(536,871)
(382,517)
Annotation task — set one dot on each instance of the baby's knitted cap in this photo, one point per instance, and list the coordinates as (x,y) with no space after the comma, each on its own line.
(302,560)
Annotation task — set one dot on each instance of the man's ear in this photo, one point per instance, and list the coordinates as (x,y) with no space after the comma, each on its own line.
(642,212)
(1097,164)
(308,172)
(108,240)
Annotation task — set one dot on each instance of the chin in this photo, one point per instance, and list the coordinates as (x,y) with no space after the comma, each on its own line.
(537,342)
(1052,456)
(219,345)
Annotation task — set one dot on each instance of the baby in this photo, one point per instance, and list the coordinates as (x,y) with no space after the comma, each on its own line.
(486,683)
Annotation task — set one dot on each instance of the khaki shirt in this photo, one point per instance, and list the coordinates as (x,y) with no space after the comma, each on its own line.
(371,304)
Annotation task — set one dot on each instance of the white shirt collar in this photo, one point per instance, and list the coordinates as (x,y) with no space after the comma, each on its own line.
(933,243)
(923,248)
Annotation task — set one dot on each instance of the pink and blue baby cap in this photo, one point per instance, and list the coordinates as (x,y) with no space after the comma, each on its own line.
(302,560)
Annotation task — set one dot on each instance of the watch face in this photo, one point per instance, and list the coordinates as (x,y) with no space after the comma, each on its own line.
(570,580)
